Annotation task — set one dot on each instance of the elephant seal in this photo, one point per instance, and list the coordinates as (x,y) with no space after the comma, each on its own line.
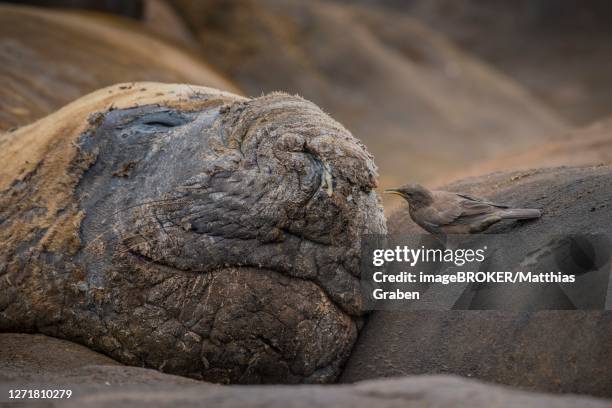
(189,230)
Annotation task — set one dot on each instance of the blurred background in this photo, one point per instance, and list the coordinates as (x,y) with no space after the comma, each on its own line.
(436,89)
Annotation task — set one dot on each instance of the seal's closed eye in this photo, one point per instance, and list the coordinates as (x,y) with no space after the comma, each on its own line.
(159,123)
(146,119)
(163,120)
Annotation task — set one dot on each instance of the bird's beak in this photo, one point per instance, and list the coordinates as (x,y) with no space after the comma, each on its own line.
(393,191)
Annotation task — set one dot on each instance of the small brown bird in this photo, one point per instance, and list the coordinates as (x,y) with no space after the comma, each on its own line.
(442,212)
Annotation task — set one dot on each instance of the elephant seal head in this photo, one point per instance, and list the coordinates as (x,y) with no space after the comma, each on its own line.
(223,241)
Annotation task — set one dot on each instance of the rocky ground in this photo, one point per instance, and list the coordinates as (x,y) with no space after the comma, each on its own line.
(591,145)
(25,357)
(98,382)
(559,50)
(561,351)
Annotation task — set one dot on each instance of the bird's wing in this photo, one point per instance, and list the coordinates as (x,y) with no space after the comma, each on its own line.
(444,210)
(470,198)
(452,209)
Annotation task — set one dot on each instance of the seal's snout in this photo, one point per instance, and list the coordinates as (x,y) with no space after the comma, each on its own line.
(287,137)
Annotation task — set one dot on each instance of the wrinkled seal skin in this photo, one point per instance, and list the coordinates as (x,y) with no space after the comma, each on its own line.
(206,235)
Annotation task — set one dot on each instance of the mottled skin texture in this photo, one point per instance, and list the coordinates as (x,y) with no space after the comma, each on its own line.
(216,237)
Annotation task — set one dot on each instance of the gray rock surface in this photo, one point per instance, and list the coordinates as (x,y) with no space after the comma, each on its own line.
(560,351)
(425,391)
(557,50)
(28,356)
(95,385)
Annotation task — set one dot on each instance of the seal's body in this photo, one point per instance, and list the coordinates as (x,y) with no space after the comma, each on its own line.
(189,230)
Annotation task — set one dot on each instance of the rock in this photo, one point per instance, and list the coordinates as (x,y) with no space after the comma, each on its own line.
(557,350)
(162,19)
(588,146)
(422,106)
(51,57)
(35,360)
(122,387)
(25,357)
(558,51)
(189,230)
(132,9)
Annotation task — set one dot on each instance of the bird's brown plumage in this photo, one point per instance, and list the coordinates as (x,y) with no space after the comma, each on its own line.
(443,212)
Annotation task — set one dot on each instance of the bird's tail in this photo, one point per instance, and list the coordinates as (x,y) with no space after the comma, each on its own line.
(520,213)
